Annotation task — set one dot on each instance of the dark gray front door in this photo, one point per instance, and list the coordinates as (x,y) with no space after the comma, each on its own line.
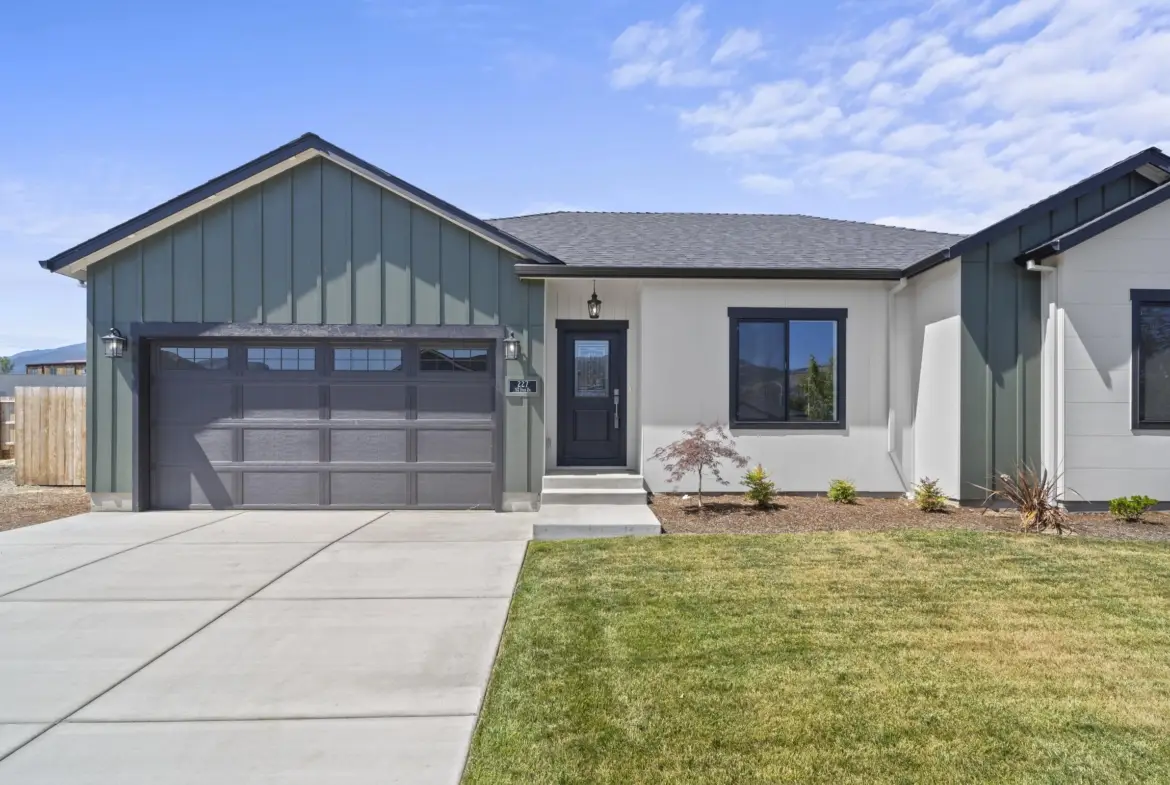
(591,395)
(306,424)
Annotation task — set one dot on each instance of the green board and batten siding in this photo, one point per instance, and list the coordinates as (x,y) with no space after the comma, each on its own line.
(314,245)
(1001,340)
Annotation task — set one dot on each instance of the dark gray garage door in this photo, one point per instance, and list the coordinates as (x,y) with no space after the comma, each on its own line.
(289,425)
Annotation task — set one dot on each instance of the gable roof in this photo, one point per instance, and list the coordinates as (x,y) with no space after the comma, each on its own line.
(693,244)
(1150,163)
(1087,231)
(74,260)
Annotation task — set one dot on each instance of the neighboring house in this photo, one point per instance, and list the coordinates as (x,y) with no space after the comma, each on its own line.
(56,369)
(10,381)
(310,330)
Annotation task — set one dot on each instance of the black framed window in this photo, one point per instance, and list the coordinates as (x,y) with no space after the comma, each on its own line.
(193,358)
(1151,358)
(282,358)
(454,358)
(787,367)
(367,359)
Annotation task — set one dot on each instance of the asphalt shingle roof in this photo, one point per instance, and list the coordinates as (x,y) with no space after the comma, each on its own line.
(711,240)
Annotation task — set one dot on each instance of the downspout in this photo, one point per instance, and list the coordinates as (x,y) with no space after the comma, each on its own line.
(1052,341)
(891,418)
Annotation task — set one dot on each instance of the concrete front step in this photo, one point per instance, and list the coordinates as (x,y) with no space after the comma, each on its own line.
(594,496)
(614,481)
(558,522)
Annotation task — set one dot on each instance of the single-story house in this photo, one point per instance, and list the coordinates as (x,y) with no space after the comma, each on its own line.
(310,331)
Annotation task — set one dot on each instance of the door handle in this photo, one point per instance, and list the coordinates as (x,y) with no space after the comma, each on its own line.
(617,398)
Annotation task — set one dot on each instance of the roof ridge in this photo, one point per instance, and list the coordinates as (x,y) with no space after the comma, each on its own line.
(726,214)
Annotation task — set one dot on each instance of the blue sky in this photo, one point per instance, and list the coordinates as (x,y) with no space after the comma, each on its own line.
(941,114)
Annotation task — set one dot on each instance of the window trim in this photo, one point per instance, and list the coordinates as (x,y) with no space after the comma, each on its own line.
(1138,298)
(736,315)
(401,370)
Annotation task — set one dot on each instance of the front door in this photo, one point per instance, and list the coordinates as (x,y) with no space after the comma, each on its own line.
(591,394)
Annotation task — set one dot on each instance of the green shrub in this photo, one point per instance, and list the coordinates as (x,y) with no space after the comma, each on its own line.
(928,497)
(842,492)
(760,488)
(1130,508)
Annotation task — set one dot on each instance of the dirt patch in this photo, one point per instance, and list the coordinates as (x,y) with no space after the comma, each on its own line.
(731,514)
(23,505)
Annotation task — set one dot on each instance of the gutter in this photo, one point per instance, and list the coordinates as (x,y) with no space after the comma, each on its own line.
(541,271)
(891,415)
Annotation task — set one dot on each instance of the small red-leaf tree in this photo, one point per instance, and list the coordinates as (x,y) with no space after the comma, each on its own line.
(703,449)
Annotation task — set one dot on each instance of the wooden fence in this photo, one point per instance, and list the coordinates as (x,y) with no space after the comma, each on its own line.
(50,435)
(7,426)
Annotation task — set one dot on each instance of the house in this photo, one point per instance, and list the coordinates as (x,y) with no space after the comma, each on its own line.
(73,368)
(309,330)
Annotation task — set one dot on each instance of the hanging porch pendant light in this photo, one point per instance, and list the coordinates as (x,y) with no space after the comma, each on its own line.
(593,304)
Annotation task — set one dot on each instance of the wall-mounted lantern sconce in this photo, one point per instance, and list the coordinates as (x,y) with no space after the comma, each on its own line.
(115,343)
(594,304)
(512,347)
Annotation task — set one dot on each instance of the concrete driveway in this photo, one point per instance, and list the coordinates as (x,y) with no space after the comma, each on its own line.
(256,647)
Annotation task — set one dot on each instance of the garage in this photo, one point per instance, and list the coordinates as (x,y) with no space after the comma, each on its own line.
(310,424)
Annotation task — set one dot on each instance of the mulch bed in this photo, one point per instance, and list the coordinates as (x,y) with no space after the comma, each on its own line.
(24,505)
(731,514)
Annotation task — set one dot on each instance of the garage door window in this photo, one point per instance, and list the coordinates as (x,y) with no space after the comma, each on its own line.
(364,359)
(281,358)
(193,358)
(454,358)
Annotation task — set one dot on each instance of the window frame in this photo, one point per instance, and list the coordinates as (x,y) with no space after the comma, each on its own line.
(165,347)
(1138,298)
(401,370)
(786,315)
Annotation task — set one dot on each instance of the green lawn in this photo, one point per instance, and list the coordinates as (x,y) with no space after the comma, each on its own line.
(913,657)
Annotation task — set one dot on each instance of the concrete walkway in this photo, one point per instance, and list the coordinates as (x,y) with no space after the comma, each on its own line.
(257,647)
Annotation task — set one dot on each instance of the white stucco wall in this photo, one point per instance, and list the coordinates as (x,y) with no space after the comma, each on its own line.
(1102,456)
(685,374)
(932,300)
(565,299)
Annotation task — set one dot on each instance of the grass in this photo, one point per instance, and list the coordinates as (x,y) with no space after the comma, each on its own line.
(909,657)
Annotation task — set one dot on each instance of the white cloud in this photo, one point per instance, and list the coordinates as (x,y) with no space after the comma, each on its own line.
(915,137)
(1014,16)
(979,107)
(673,54)
(767,184)
(739,44)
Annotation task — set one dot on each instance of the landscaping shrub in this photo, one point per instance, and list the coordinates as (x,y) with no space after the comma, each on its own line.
(842,492)
(928,497)
(1034,496)
(760,488)
(1130,508)
(702,449)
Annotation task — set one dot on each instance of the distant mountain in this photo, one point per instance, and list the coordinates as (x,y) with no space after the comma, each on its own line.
(62,354)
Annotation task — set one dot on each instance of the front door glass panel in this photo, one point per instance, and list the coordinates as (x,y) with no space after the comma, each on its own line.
(591,368)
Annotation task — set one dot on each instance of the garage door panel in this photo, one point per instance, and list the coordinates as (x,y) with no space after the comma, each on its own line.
(178,487)
(374,489)
(252,434)
(450,445)
(439,489)
(281,402)
(281,445)
(197,404)
(455,402)
(368,402)
(361,445)
(182,445)
(282,489)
